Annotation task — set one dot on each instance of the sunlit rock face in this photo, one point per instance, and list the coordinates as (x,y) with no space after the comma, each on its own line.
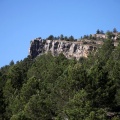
(70,49)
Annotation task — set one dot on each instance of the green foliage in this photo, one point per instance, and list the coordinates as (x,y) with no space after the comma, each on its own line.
(61,37)
(51,37)
(19,116)
(71,38)
(78,107)
(28,89)
(38,108)
(115,30)
(11,63)
(98,31)
(110,35)
(48,87)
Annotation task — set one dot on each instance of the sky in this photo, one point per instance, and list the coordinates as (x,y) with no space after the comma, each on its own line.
(23,20)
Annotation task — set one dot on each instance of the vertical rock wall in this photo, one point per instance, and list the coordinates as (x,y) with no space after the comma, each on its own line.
(69,49)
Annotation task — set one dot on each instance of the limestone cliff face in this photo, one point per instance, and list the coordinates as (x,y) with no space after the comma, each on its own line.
(69,49)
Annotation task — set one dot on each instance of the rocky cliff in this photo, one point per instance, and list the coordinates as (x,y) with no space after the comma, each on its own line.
(69,49)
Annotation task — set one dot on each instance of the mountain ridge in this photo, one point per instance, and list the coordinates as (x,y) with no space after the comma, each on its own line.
(71,49)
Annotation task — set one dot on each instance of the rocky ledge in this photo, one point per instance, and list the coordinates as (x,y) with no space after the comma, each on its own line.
(71,49)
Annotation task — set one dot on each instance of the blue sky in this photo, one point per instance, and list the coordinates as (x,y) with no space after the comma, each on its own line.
(24,20)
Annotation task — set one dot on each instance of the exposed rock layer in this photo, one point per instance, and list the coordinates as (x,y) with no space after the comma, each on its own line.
(69,49)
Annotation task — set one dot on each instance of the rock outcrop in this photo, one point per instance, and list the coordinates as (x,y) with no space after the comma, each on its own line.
(70,49)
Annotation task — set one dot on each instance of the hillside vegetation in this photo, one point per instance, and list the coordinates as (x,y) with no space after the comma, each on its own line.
(57,88)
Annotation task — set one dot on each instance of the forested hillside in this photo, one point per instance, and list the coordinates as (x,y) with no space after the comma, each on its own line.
(57,88)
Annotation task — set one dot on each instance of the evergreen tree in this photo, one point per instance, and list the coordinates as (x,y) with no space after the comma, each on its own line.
(114,30)
(71,38)
(61,37)
(51,37)
(98,31)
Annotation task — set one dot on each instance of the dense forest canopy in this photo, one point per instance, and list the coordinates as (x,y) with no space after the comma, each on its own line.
(57,88)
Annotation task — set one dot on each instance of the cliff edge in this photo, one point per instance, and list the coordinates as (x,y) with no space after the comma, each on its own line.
(71,49)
